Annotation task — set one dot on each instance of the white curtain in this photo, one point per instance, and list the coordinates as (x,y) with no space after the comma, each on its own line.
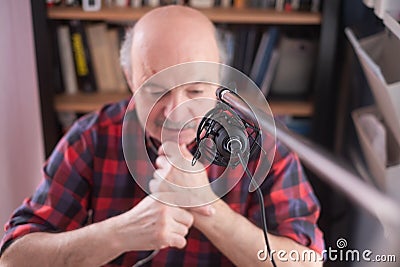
(21,141)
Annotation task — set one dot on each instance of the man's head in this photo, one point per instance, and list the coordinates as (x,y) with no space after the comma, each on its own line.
(162,38)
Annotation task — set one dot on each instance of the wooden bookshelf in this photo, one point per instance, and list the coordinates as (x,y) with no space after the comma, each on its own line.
(86,102)
(218,15)
(292,107)
(83,103)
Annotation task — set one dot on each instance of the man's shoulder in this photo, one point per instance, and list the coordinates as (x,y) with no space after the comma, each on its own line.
(110,115)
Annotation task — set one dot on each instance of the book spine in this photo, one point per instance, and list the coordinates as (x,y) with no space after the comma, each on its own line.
(121,84)
(66,59)
(239,3)
(121,3)
(305,5)
(226,3)
(202,3)
(315,5)
(152,3)
(56,60)
(136,3)
(72,3)
(91,5)
(83,64)
(273,35)
(279,5)
(295,4)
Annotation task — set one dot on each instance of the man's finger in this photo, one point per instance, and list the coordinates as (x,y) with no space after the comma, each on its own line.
(162,162)
(162,172)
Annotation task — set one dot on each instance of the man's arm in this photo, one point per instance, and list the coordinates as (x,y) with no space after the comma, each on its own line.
(233,234)
(92,245)
(149,225)
(240,240)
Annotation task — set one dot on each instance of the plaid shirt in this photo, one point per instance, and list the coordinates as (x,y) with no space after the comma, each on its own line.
(86,180)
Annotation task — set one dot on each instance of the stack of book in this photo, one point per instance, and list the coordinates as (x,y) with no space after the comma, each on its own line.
(280,5)
(89,58)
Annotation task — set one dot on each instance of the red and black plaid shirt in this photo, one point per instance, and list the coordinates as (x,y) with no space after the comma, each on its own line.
(87,174)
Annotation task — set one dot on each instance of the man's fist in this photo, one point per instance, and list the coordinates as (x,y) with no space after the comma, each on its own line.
(153,225)
(175,173)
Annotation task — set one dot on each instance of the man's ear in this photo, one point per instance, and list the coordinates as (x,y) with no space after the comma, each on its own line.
(128,78)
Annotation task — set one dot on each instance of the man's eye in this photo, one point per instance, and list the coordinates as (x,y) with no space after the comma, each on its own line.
(196,92)
(156,93)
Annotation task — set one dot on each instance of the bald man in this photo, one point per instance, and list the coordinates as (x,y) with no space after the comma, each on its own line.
(88,211)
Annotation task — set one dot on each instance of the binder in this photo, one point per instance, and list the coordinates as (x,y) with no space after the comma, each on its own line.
(380,61)
(387,176)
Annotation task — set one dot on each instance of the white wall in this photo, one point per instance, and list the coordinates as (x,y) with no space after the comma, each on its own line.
(21,144)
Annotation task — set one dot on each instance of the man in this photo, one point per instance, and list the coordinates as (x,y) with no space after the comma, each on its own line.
(88,211)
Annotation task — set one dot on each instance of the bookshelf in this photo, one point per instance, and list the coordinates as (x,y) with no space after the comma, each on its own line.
(217,15)
(83,103)
(325,23)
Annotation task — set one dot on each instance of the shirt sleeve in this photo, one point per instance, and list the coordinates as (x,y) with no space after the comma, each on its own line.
(60,201)
(291,207)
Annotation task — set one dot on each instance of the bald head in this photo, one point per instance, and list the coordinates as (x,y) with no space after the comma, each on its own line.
(181,17)
(167,36)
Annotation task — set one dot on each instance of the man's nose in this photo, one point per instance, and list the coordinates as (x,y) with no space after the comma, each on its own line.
(176,107)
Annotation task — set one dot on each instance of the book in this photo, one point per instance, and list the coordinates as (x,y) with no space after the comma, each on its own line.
(72,3)
(101,53)
(270,73)
(136,3)
(239,3)
(227,39)
(55,61)
(91,5)
(249,53)
(226,3)
(295,4)
(255,68)
(267,4)
(201,3)
(152,3)
(83,64)
(279,5)
(305,5)
(241,34)
(66,60)
(114,43)
(267,44)
(295,67)
(315,5)
(253,3)
(121,3)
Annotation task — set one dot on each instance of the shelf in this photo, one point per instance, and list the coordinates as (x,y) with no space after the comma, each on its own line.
(291,107)
(218,15)
(83,103)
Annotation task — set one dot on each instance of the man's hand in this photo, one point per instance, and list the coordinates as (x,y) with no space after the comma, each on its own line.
(175,174)
(153,225)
